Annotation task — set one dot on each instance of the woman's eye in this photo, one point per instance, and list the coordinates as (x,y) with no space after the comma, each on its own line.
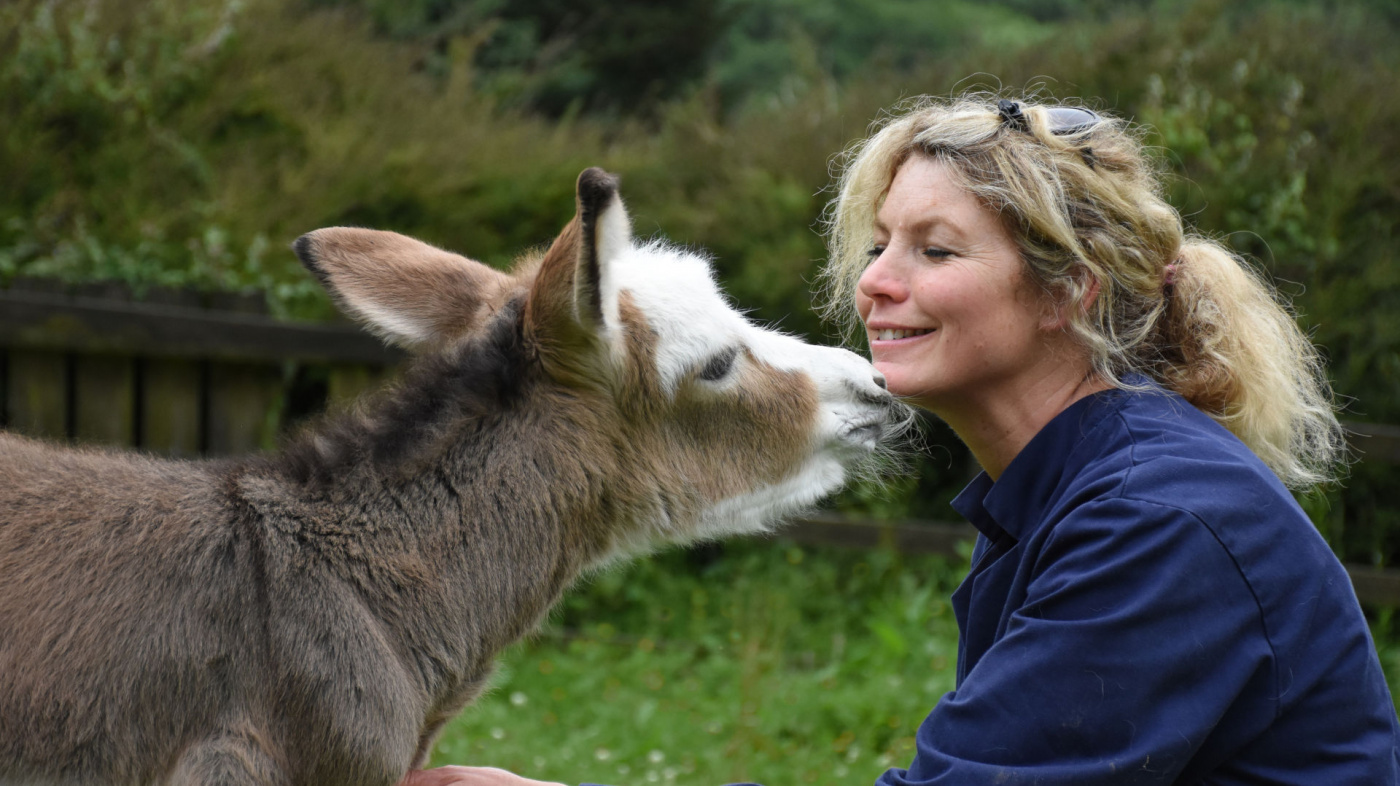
(719,366)
(875,251)
(937,253)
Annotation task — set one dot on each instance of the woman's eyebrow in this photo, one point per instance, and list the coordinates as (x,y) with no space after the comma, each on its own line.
(925,224)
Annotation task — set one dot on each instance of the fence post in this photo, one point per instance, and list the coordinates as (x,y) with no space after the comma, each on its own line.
(171,407)
(38,394)
(104,409)
(245,407)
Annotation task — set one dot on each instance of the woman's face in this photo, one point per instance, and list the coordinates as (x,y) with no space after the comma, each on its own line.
(952,323)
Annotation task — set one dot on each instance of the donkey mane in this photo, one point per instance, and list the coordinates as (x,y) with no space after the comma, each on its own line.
(398,428)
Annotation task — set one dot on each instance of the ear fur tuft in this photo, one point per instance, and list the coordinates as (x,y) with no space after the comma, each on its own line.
(305,249)
(596,188)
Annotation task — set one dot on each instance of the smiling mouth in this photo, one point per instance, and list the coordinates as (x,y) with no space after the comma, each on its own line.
(895,335)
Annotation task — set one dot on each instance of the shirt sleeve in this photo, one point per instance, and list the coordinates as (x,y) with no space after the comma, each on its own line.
(1137,634)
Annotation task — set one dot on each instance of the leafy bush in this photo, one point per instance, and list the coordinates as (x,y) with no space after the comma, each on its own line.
(164,143)
(91,97)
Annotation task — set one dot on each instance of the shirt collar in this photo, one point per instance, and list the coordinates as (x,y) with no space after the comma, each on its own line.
(1019,498)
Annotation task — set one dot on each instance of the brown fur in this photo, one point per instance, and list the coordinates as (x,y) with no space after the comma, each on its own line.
(316,616)
(448,298)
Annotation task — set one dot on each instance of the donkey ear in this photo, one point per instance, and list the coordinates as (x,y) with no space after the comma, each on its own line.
(605,235)
(406,291)
(572,303)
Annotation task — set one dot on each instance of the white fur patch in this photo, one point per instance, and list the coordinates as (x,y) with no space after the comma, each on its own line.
(613,241)
(676,291)
(394,325)
(759,510)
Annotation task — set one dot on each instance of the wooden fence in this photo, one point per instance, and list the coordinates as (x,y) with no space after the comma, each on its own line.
(1374,586)
(176,373)
(1377,587)
(184,375)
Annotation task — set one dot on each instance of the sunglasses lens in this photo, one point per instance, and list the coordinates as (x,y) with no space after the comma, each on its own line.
(1066,120)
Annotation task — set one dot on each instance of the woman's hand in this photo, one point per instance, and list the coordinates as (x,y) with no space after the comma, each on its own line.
(468,776)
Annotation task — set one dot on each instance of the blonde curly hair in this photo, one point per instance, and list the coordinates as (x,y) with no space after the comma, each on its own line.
(1087,211)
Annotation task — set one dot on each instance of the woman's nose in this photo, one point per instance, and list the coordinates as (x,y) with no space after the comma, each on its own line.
(881,281)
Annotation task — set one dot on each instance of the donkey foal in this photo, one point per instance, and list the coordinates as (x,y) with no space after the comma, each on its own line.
(315,616)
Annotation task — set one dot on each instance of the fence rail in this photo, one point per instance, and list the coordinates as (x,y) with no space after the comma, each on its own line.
(185,375)
(1374,441)
(176,374)
(81,323)
(1378,587)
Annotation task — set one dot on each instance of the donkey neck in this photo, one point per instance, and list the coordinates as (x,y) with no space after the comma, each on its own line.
(476,485)
(472,435)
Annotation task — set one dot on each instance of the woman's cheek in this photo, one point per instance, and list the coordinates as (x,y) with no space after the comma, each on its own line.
(863,305)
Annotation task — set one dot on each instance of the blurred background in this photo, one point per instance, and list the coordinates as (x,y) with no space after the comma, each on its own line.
(165,153)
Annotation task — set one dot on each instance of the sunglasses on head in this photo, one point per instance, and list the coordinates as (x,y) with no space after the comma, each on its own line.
(1062,120)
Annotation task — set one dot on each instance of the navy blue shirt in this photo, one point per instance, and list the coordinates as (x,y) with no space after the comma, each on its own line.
(1148,604)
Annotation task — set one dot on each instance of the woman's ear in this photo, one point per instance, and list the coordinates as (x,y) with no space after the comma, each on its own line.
(1081,296)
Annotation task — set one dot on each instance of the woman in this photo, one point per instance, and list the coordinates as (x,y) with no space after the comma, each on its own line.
(1147,603)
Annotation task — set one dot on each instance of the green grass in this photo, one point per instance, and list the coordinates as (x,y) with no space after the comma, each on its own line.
(758,660)
(773,663)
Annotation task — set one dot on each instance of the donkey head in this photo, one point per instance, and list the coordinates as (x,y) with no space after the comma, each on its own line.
(712,425)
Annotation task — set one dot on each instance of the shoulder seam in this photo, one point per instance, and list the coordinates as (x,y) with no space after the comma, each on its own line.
(1258,604)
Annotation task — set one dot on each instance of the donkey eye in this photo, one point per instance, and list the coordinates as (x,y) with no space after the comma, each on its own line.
(719,366)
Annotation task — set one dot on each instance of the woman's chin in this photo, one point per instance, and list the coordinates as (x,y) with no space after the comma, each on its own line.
(910,391)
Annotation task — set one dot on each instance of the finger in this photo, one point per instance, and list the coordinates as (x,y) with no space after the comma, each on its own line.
(453,775)
(440,776)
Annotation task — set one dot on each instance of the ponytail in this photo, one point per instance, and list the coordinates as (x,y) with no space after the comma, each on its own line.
(1227,344)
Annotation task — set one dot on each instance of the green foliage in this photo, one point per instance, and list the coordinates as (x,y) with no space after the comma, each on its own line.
(90,94)
(629,57)
(166,143)
(131,157)
(717,666)
(557,58)
(617,56)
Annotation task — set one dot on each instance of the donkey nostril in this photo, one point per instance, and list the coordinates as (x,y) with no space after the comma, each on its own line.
(880,380)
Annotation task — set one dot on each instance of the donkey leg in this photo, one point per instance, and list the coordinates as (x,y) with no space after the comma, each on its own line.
(232,758)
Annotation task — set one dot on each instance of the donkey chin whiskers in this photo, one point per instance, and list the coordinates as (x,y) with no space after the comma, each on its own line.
(900,440)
